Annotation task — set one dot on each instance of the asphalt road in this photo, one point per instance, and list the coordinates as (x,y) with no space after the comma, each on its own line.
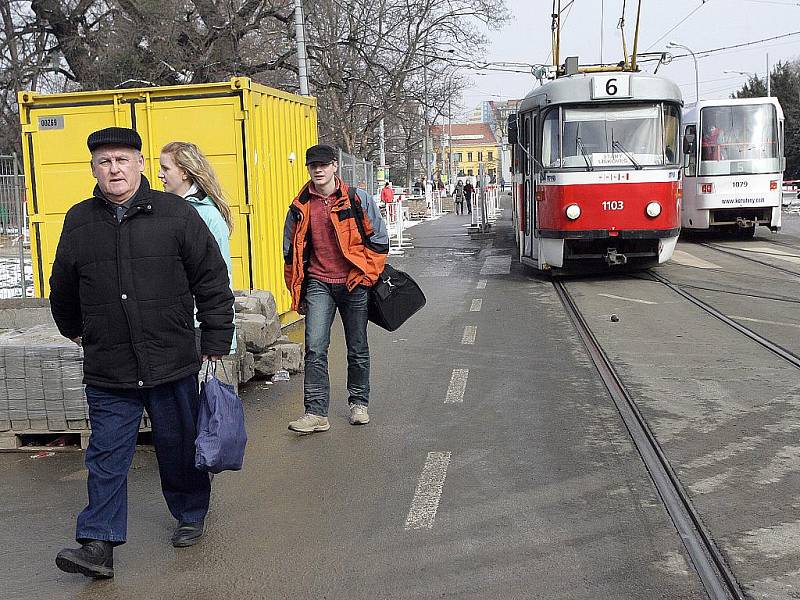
(495,466)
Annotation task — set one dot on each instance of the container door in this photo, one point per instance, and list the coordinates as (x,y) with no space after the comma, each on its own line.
(57,168)
(214,122)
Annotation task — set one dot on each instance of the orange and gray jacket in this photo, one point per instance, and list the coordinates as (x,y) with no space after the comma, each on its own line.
(360,231)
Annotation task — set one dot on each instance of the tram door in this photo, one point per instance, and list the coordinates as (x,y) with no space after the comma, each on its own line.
(528,200)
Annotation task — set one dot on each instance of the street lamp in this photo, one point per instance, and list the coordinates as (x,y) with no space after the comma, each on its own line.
(753,75)
(696,77)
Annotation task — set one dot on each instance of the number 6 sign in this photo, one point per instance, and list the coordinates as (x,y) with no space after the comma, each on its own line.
(615,85)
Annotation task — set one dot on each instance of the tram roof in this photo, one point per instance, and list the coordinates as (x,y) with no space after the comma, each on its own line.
(578,88)
(691,111)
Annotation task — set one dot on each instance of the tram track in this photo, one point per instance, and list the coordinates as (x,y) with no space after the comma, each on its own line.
(777,349)
(711,566)
(729,252)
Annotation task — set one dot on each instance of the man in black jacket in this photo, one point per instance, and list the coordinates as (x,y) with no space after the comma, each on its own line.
(130,266)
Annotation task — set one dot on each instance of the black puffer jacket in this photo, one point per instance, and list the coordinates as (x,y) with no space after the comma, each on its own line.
(129,288)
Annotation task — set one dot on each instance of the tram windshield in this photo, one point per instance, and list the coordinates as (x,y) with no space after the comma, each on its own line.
(617,136)
(739,140)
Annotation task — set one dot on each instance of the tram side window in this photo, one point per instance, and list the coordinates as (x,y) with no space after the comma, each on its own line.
(672,120)
(551,138)
(690,151)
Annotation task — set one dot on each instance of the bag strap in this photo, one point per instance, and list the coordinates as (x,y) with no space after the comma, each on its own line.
(358,210)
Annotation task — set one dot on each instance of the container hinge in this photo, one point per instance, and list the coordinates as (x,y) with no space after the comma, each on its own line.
(36,218)
(240,115)
(245,209)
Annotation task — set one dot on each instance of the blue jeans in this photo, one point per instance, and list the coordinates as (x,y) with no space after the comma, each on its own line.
(322,300)
(115,415)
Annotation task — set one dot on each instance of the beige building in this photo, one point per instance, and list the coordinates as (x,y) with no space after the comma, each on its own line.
(471,145)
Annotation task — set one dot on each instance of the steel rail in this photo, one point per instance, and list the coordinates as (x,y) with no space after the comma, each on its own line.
(711,567)
(785,354)
(728,251)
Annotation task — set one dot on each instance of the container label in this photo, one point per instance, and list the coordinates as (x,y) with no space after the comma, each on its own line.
(53,122)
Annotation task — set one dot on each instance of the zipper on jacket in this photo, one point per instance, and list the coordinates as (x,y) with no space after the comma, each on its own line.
(124,299)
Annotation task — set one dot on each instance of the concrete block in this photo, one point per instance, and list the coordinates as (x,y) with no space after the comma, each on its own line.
(267,363)
(268,307)
(254,329)
(248,305)
(247,368)
(273,330)
(291,357)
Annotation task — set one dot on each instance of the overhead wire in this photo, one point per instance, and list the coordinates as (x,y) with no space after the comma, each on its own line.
(678,24)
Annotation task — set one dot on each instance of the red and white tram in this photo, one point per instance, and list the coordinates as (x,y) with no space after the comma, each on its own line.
(597,171)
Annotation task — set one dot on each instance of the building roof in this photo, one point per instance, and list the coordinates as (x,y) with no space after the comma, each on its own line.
(465,134)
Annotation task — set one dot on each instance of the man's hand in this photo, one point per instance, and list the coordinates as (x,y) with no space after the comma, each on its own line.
(212,358)
(78,340)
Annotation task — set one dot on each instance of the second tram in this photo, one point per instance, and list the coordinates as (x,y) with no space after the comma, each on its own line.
(597,171)
(733,165)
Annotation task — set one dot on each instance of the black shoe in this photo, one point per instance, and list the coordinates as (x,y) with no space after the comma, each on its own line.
(187,534)
(93,559)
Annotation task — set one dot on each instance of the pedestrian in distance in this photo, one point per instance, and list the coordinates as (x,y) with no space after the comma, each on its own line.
(387,193)
(186,172)
(334,246)
(130,265)
(468,194)
(458,197)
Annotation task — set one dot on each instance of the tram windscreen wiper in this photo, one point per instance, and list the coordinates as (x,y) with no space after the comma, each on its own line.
(579,146)
(617,145)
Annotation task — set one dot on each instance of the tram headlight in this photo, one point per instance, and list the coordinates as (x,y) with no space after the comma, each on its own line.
(573,212)
(653,209)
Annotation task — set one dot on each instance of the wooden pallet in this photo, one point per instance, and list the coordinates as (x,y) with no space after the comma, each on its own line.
(54,441)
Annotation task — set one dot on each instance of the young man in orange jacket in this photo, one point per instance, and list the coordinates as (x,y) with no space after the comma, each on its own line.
(334,246)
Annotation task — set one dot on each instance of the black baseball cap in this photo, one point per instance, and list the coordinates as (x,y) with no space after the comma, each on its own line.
(114,136)
(321,153)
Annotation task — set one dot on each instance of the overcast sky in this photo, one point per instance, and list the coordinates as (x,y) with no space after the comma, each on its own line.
(715,24)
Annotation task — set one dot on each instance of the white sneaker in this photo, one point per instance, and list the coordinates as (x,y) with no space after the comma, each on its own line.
(309,423)
(358,414)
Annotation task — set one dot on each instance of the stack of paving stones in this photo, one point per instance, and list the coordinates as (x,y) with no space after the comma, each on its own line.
(41,372)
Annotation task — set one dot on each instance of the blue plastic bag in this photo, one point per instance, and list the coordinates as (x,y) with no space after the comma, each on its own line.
(221,436)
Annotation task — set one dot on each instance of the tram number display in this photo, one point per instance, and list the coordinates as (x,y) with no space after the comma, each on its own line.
(613,205)
(611,86)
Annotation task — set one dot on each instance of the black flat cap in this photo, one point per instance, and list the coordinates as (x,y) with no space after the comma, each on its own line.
(321,153)
(114,136)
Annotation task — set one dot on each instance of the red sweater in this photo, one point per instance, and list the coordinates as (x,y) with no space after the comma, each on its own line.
(327,262)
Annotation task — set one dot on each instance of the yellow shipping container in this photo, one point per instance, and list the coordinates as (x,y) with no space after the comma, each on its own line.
(255,137)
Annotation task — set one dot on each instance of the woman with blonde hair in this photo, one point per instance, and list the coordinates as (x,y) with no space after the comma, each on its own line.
(186,172)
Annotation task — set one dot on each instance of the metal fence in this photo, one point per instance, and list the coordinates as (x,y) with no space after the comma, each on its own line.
(358,172)
(16,279)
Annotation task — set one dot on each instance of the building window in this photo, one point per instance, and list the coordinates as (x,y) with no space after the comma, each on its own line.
(491,156)
(469,172)
(461,173)
(457,156)
(469,158)
(480,156)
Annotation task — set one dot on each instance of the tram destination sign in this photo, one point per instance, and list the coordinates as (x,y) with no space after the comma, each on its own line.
(616,85)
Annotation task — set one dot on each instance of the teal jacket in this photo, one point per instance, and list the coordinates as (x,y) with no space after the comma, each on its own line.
(219,229)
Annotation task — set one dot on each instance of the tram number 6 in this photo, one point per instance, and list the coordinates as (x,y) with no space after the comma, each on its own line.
(613,205)
(611,87)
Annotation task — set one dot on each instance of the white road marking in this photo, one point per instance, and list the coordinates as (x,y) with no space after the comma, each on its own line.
(429,491)
(496,265)
(779,254)
(476,305)
(481,284)
(470,331)
(765,322)
(684,258)
(627,299)
(458,384)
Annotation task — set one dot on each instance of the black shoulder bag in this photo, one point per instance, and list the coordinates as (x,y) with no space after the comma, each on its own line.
(395,296)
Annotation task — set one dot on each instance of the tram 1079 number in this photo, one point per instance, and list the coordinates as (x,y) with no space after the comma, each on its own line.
(613,205)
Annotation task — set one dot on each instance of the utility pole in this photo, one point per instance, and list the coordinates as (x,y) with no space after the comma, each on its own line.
(383,177)
(425,108)
(769,86)
(300,34)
